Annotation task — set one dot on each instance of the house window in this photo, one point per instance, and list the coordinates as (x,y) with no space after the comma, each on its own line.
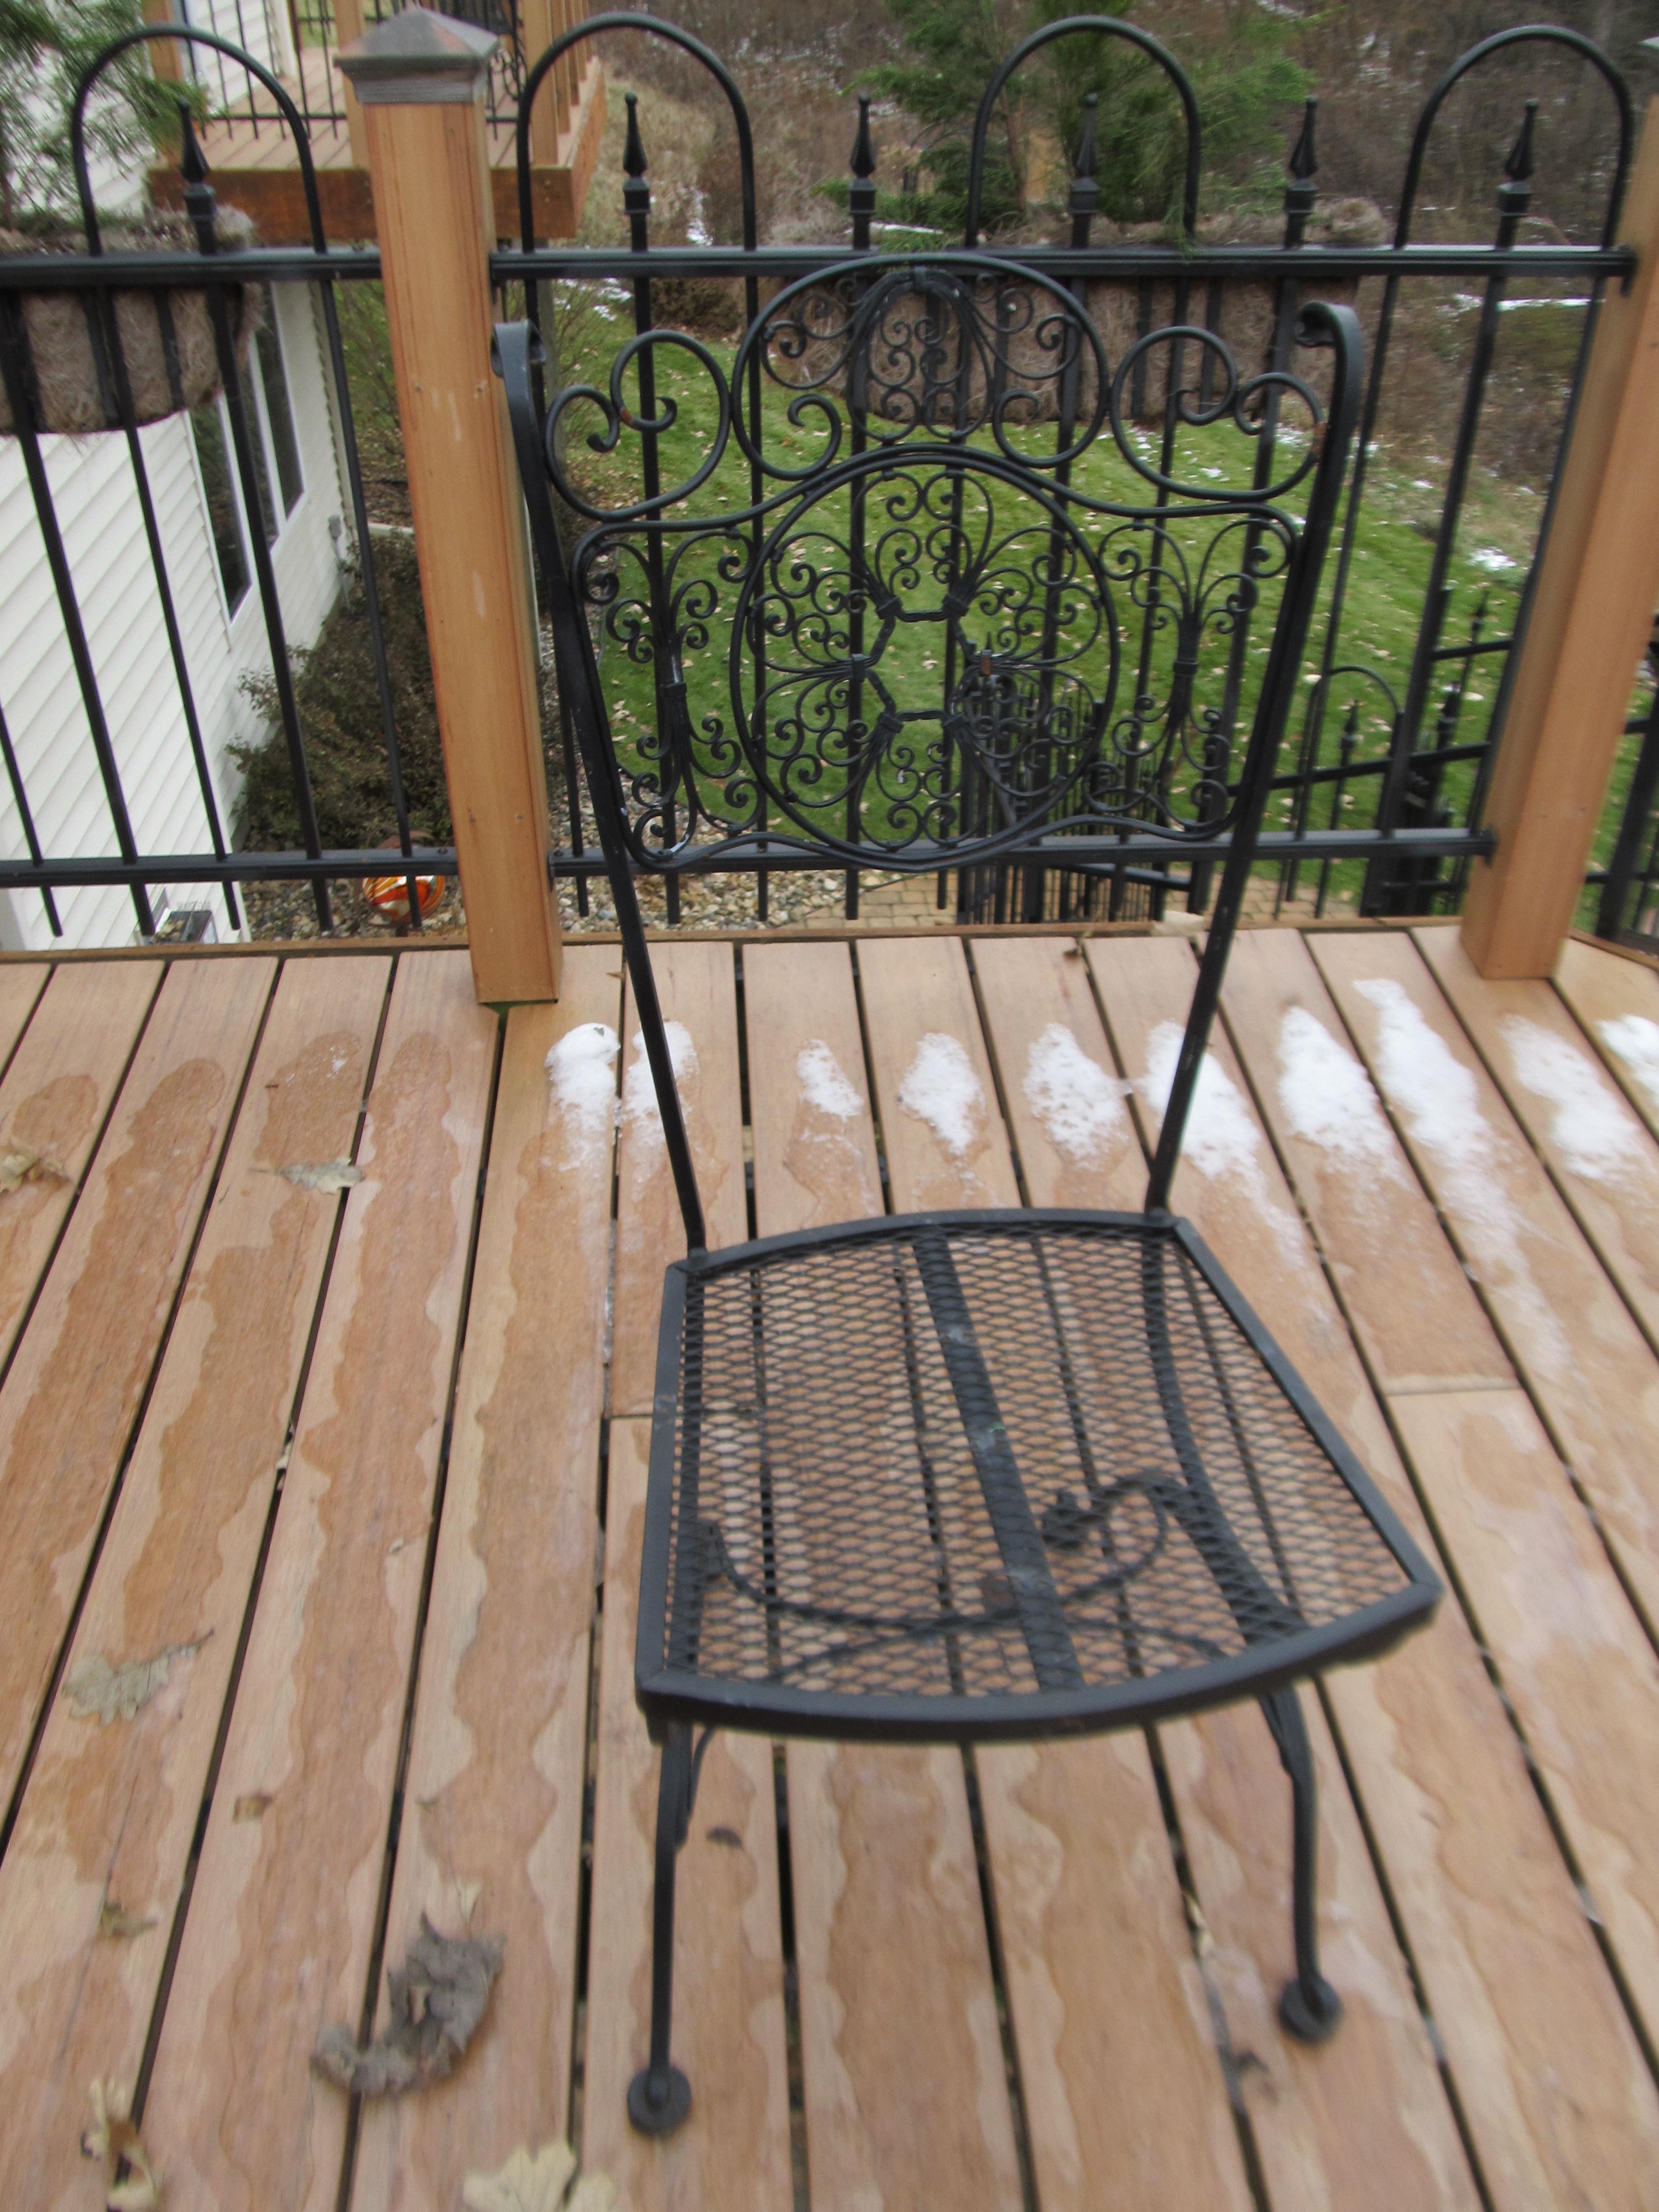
(277,480)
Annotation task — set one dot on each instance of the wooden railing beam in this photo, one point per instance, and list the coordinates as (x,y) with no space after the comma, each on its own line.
(1592,605)
(419,79)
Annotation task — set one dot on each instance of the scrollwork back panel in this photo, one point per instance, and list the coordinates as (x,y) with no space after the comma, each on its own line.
(934,596)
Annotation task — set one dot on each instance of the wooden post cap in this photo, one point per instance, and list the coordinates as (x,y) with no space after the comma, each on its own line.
(417,59)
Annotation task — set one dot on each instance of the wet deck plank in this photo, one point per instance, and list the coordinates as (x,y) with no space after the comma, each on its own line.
(278,1939)
(492,1830)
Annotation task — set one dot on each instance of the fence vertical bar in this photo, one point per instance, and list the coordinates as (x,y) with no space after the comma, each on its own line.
(1596,586)
(420,80)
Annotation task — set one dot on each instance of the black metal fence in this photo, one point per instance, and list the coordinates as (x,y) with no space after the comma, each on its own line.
(1379,795)
(1380,800)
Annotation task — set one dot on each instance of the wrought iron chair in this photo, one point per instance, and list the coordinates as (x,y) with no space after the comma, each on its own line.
(959,1476)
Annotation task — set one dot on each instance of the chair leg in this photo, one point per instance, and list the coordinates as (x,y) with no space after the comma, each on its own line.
(1308,2008)
(659,2096)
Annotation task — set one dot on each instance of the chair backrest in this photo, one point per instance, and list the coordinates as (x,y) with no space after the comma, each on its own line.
(899,585)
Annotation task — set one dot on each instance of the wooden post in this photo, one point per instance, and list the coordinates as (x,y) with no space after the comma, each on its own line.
(420,78)
(348,30)
(167,56)
(1592,605)
(549,119)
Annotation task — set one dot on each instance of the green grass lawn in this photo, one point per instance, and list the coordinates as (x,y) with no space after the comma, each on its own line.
(1383,604)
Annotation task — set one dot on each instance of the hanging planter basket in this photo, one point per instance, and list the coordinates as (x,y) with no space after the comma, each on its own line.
(1242,311)
(165,332)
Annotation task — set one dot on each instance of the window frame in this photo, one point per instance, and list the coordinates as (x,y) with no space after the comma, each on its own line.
(283,510)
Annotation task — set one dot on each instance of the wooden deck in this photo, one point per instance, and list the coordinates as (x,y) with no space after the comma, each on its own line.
(320,1517)
(253,163)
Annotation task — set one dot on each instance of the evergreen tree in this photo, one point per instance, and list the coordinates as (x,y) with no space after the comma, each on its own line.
(1238,54)
(45,47)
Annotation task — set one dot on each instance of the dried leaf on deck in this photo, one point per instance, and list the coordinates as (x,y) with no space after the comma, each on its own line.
(93,1687)
(114,1919)
(535,2181)
(437,1998)
(21,1163)
(327,1176)
(134,2185)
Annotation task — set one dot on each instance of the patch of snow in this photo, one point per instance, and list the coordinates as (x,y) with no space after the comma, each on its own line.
(1633,1040)
(1494,562)
(1440,1100)
(941,1089)
(1593,1128)
(1221,1138)
(1079,1104)
(639,1093)
(822,1083)
(1328,1099)
(579,1075)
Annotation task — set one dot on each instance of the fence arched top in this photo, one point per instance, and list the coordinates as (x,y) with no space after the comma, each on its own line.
(656,28)
(183,33)
(1550,35)
(1111,26)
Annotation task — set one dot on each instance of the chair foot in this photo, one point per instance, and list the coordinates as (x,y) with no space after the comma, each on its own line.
(662,2114)
(1309,2023)
(1308,2008)
(659,2096)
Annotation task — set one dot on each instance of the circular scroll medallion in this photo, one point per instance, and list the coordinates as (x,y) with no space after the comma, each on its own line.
(938,654)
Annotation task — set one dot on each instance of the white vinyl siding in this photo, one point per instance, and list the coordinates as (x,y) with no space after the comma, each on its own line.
(102,527)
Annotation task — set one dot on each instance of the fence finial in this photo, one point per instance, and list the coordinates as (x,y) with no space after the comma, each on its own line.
(861,195)
(1085,197)
(1304,159)
(863,163)
(633,151)
(193,162)
(1518,165)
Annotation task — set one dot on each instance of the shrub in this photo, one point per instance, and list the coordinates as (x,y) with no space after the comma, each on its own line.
(339,708)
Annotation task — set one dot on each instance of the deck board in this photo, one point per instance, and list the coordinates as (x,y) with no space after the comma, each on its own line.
(107,1821)
(1604,1162)
(84,1362)
(1110,2004)
(22,982)
(277,1941)
(54,1100)
(1617,1003)
(492,1830)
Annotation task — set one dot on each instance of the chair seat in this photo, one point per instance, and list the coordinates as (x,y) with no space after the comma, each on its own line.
(983,1475)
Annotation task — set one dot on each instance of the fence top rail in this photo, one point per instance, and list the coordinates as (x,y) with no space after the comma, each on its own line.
(256,264)
(1310,262)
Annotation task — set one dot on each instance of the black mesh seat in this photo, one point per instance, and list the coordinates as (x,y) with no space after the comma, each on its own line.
(993,1474)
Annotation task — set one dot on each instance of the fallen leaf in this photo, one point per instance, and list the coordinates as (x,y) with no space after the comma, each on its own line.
(594,2192)
(134,2185)
(437,1998)
(94,1686)
(114,1920)
(21,1163)
(530,2181)
(327,1176)
(253,1806)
